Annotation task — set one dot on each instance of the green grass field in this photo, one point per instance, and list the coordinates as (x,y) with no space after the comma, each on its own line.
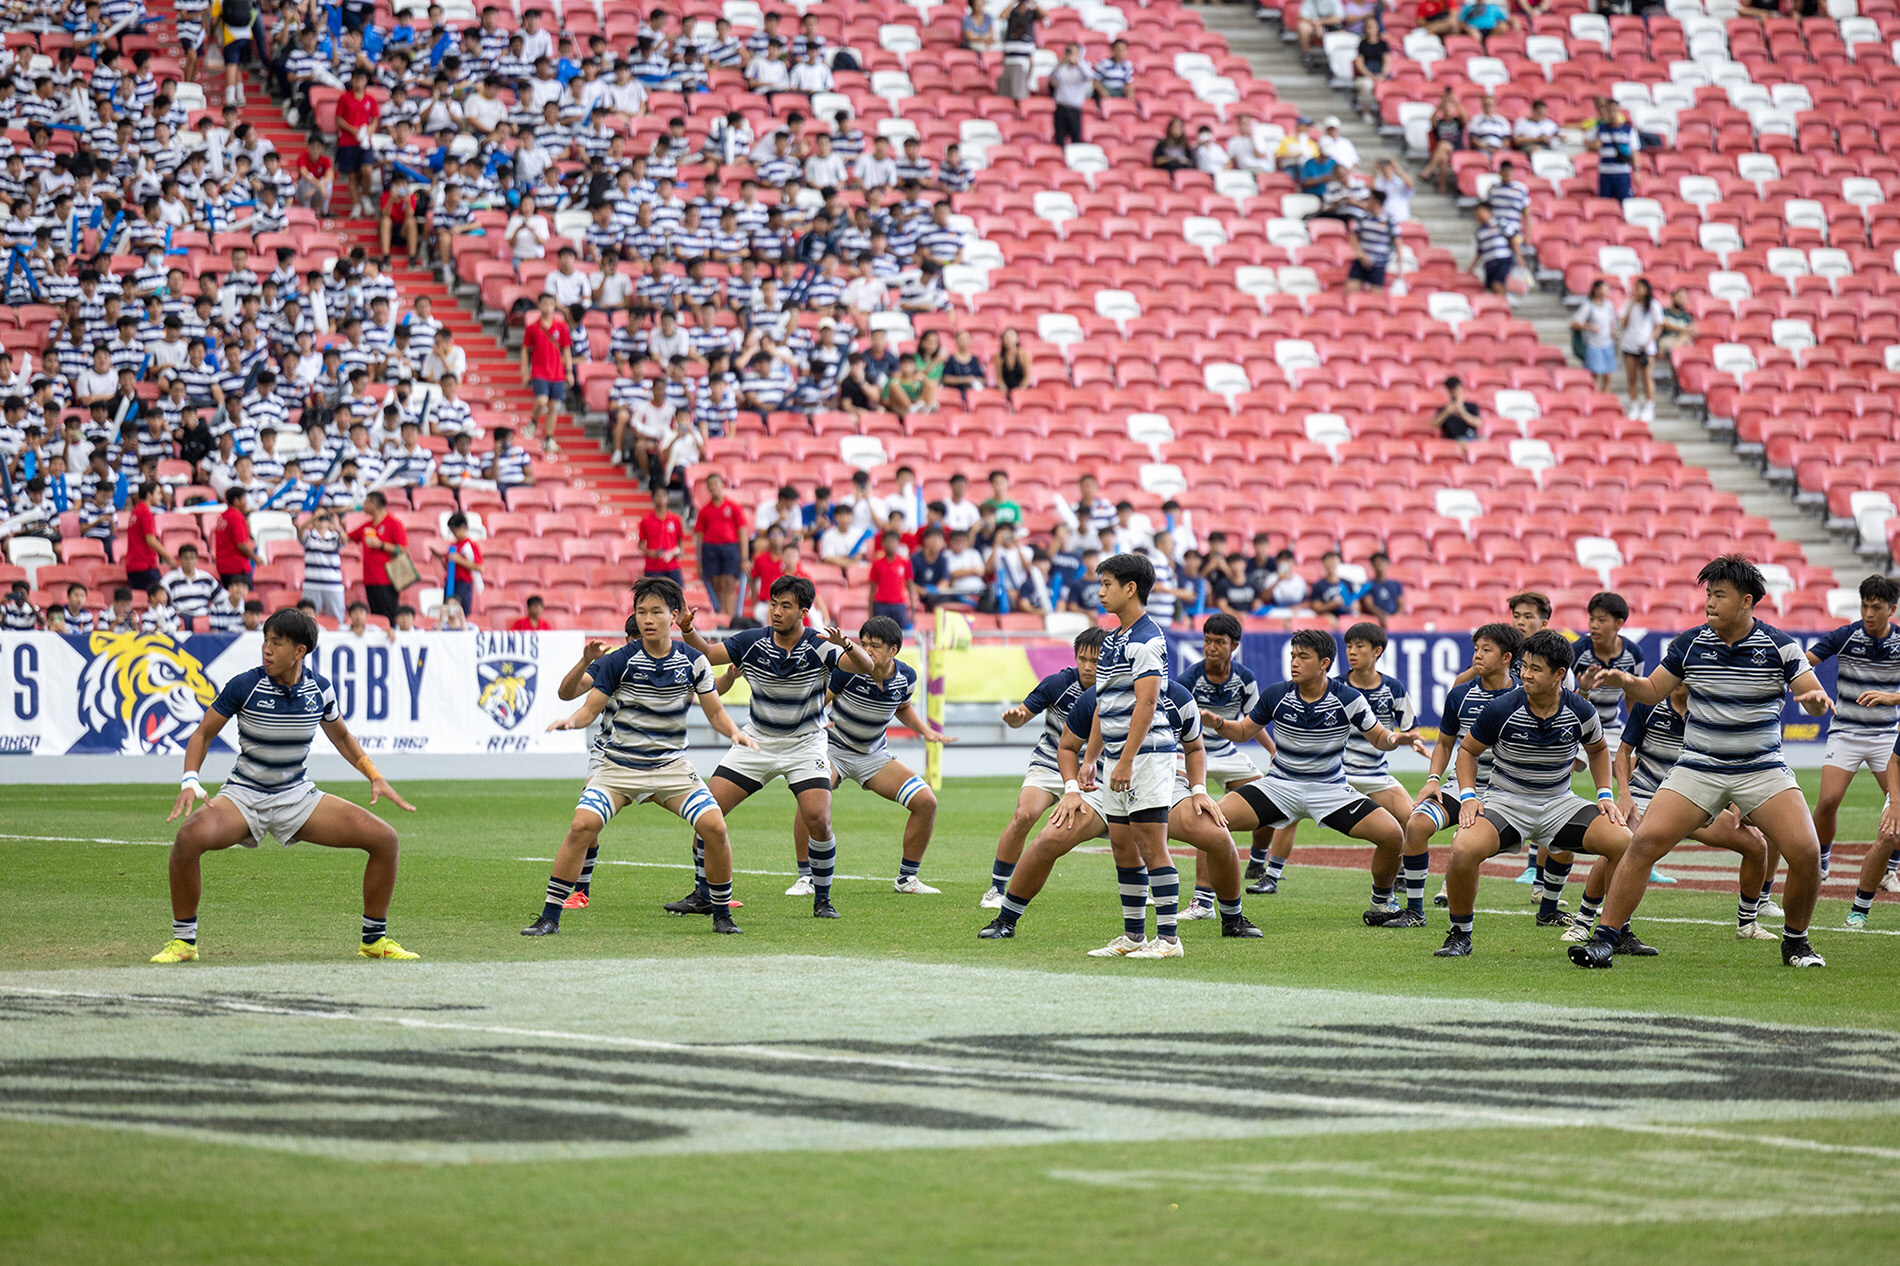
(887,1088)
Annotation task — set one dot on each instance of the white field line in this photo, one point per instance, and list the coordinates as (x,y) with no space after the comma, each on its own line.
(82,839)
(782,874)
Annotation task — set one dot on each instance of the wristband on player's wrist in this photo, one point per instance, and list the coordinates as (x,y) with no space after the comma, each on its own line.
(1466,794)
(190,779)
(1198,789)
(369,769)
(1071,787)
(1605,793)
(1437,778)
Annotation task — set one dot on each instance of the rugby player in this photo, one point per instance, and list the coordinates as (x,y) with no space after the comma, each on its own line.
(1222,686)
(575,685)
(279,706)
(1493,672)
(1367,770)
(651,682)
(1863,729)
(1886,844)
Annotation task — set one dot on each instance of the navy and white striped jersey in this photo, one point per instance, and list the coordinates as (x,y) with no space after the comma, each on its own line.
(1376,234)
(1231,699)
(323,559)
(1735,696)
(1129,655)
(1463,706)
(1866,663)
(862,707)
(1533,755)
(1175,712)
(1509,201)
(1654,735)
(1494,241)
(190,594)
(788,687)
(1608,699)
(1393,708)
(1310,737)
(651,696)
(275,724)
(1053,696)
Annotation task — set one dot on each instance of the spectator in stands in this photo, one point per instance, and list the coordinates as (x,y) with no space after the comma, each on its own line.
(1447,131)
(1334,594)
(1015,369)
(120,618)
(662,535)
(967,569)
(1285,588)
(528,231)
(1383,597)
(322,542)
(1115,74)
(316,176)
(18,614)
(160,616)
(845,541)
(1174,151)
(1246,150)
(356,116)
(1510,202)
(231,547)
(1593,336)
(1537,130)
(1317,19)
(1497,251)
(1371,66)
(1389,179)
(405,621)
(1375,238)
(1488,131)
(893,589)
(382,537)
(1457,418)
(1210,155)
(532,621)
(451,618)
(1019,48)
(979,29)
(1336,146)
(1616,144)
(1072,84)
(1481,17)
(964,370)
(720,526)
(1637,331)
(1678,324)
(1436,17)
(930,570)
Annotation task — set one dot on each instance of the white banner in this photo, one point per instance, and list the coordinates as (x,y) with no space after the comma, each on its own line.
(142,694)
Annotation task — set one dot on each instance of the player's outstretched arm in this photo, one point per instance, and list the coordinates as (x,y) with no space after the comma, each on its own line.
(190,790)
(1017,716)
(853,660)
(1808,693)
(352,751)
(1468,752)
(722,723)
(1598,754)
(1240,730)
(1878,698)
(591,707)
(916,720)
(1652,689)
(571,685)
(715,652)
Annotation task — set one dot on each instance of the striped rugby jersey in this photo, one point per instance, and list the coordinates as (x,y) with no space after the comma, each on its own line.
(1654,735)
(1735,696)
(1866,663)
(1129,655)
(1533,755)
(862,707)
(788,687)
(190,594)
(1231,699)
(1608,699)
(651,696)
(1463,706)
(1310,737)
(1053,696)
(275,725)
(1175,712)
(1393,708)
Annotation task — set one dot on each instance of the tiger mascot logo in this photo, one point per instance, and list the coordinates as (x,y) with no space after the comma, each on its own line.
(145,689)
(507,689)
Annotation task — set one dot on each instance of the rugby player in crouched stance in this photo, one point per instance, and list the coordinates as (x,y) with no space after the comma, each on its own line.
(279,707)
(1533,734)
(651,683)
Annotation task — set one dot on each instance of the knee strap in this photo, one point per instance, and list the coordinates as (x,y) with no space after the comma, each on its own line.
(698,805)
(598,803)
(908,792)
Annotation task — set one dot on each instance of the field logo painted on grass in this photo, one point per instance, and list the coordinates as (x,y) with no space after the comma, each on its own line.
(520,1062)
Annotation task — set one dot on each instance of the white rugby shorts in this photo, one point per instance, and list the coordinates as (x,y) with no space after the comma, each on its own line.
(803,761)
(1150,787)
(279,813)
(1850,749)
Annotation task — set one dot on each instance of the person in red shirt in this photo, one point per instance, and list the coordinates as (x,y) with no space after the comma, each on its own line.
(231,546)
(765,566)
(143,550)
(356,115)
(462,563)
(661,534)
(382,537)
(531,622)
(721,528)
(891,588)
(399,216)
(316,177)
(547,361)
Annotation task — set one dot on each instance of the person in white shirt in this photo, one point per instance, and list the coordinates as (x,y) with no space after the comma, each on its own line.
(1636,339)
(1488,130)
(824,169)
(960,514)
(875,168)
(767,72)
(625,95)
(610,287)
(1538,131)
(867,508)
(669,340)
(811,75)
(566,284)
(866,292)
(782,512)
(967,567)
(1390,179)
(535,42)
(907,500)
(649,426)
(1244,151)
(528,232)
(842,543)
(1210,155)
(485,110)
(1336,147)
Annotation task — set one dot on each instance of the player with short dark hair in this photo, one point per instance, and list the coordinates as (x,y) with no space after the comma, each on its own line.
(788,667)
(1533,733)
(1311,716)
(1738,671)
(575,685)
(1493,672)
(652,682)
(1222,685)
(1863,731)
(1053,696)
(862,708)
(279,706)
(1367,770)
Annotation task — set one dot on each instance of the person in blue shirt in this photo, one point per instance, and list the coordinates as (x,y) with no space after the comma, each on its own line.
(1384,597)
(1334,594)
(1738,670)
(1311,716)
(1533,734)
(862,708)
(279,707)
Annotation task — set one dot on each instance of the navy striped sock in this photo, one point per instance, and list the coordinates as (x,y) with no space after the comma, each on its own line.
(906,868)
(1000,871)
(699,869)
(1013,907)
(804,869)
(1745,909)
(1461,923)
(374,929)
(1893,862)
(1166,882)
(1863,901)
(1203,896)
(1827,852)
(1274,866)
(824,854)
(1768,889)
(587,871)
(1414,867)
(559,890)
(1133,883)
(1230,909)
(1380,896)
(1258,853)
(1588,907)
(721,895)
(185,930)
(1607,934)
(1556,875)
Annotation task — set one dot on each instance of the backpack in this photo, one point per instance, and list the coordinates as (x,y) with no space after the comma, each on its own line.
(237,15)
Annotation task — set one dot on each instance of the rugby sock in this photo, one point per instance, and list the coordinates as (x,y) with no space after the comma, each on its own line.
(1461,923)
(1166,882)
(374,929)
(1133,882)
(1274,866)
(1768,889)
(804,869)
(1827,851)
(1013,907)
(1745,910)
(1791,938)
(587,871)
(1380,896)
(1203,896)
(699,868)
(1588,907)
(1537,869)
(559,890)
(1863,901)
(1000,871)
(1893,862)
(1607,934)
(185,930)
(1230,909)
(906,868)
(824,854)
(1556,875)
(721,898)
(1258,853)
(1414,868)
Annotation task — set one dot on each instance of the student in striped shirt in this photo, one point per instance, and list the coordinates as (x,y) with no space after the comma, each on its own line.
(1497,250)
(323,562)
(189,586)
(862,708)
(1534,734)
(1375,237)
(788,667)
(1738,670)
